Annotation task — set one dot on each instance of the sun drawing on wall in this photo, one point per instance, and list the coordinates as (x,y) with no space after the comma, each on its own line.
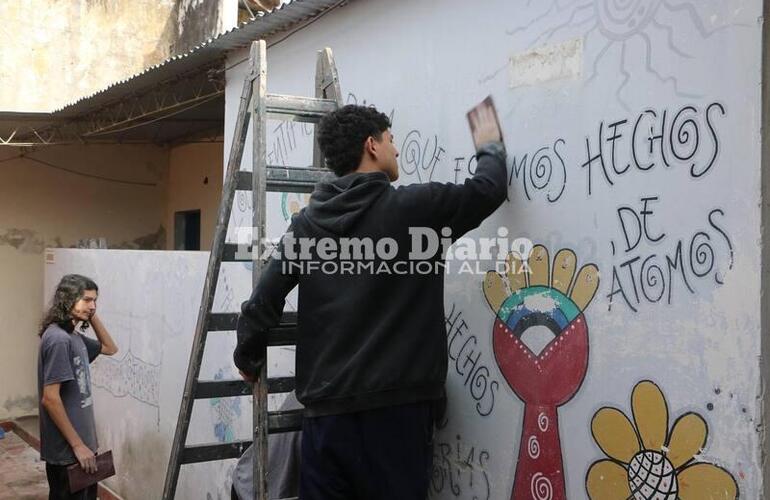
(636,30)
(646,461)
(533,298)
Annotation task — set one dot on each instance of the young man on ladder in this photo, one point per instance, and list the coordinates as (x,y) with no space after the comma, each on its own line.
(371,357)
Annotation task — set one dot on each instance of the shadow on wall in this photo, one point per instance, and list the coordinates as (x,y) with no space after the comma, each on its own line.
(143,455)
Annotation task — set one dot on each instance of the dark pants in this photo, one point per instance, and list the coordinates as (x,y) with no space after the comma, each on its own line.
(381,454)
(59,486)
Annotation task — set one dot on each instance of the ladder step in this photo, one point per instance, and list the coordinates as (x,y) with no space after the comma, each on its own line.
(208,389)
(286,179)
(219,322)
(302,109)
(280,421)
(285,334)
(284,421)
(197,453)
(233,252)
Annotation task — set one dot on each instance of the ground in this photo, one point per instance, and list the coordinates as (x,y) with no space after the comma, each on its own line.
(22,474)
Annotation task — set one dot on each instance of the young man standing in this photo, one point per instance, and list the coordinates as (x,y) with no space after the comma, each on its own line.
(371,358)
(67,429)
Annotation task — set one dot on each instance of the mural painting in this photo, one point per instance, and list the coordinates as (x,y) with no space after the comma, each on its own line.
(534,294)
(647,461)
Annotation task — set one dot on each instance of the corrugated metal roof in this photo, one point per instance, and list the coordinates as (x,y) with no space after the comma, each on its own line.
(265,24)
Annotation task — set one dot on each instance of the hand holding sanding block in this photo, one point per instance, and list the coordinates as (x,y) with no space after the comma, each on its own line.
(80,479)
(485,127)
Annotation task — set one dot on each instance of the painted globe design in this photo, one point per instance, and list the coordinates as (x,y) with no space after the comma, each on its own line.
(652,477)
(553,375)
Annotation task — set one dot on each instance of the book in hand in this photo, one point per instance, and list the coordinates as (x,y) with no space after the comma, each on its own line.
(80,479)
(485,126)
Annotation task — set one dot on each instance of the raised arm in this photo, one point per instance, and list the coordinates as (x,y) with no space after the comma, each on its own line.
(261,312)
(108,345)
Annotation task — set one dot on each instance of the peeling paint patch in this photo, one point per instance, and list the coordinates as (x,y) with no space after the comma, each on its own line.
(152,241)
(547,63)
(24,240)
(21,403)
(541,302)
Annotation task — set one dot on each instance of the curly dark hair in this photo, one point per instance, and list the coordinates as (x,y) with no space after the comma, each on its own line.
(342,133)
(70,289)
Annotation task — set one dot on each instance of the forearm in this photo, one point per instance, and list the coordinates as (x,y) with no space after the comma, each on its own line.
(55,409)
(479,196)
(259,314)
(108,345)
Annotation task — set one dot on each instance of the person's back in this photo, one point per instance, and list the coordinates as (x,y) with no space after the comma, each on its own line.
(371,352)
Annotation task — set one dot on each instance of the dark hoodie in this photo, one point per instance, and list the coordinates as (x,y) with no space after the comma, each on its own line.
(368,339)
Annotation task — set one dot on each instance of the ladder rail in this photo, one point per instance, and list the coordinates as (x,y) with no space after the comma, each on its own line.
(255,108)
(327,86)
(209,288)
(259,202)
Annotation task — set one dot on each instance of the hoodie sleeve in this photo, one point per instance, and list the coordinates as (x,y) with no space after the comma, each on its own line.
(462,207)
(261,312)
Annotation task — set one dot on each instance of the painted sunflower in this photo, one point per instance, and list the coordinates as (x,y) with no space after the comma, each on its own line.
(646,461)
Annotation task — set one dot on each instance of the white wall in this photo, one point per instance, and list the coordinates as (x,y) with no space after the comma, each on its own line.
(428,62)
(149,302)
(77,192)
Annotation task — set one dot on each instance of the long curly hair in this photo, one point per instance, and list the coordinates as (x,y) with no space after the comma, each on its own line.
(70,289)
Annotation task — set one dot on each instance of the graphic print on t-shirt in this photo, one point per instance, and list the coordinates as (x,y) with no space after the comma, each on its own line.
(83,377)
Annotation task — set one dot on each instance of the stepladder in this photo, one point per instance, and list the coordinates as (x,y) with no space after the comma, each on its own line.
(256,107)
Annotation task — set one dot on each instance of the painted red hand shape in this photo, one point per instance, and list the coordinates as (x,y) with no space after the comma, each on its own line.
(533,296)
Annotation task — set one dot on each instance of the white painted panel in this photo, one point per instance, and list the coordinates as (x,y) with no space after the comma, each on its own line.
(683,70)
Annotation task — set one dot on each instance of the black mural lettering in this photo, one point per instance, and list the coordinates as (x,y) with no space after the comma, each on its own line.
(466,356)
(617,288)
(634,142)
(714,138)
(658,271)
(459,469)
(563,170)
(517,167)
(652,277)
(701,254)
(687,135)
(598,157)
(645,213)
(676,264)
(638,225)
(544,170)
(612,140)
(659,137)
(717,275)
(624,226)
(458,169)
(473,160)
(629,265)
(420,156)
(681,137)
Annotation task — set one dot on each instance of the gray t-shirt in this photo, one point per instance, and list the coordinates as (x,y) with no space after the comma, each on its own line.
(64,359)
